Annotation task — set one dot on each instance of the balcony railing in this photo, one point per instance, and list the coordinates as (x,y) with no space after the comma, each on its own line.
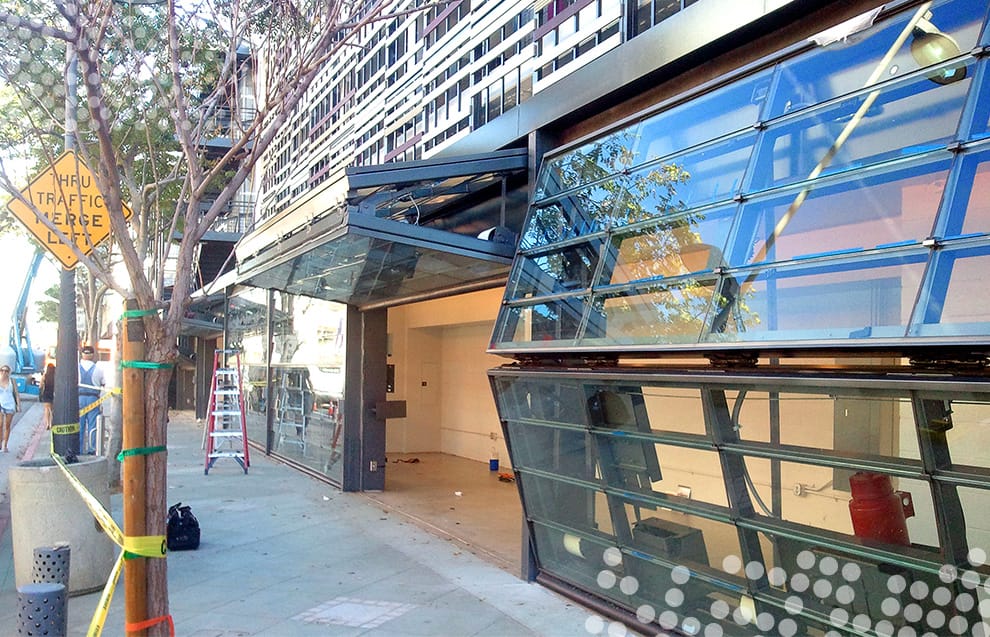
(238,217)
(223,119)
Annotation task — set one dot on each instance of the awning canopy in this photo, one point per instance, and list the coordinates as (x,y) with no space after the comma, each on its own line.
(395,232)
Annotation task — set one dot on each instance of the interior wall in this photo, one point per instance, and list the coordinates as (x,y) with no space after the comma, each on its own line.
(469,421)
(816,495)
(415,355)
(438,352)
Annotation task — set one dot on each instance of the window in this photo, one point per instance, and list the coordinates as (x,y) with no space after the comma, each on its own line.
(649,13)
(792,205)
(721,500)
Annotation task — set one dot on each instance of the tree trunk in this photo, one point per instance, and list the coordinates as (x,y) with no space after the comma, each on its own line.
(156,419)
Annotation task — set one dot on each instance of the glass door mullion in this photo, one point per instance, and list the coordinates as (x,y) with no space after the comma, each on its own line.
(718,422)
(934,419)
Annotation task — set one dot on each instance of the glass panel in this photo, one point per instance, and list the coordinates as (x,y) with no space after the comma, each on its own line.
(673,312)
(566,269)
(542,323)
(641,466)
(571,556)
(331,269)
(593,161)
(845,66)
(976,504)
(970,212)
(663,9)
(308,382)
(956,303)
(568,504)
(670,188)
(856,592)
(690,243)
(357,269)
(968,436)
(720,112)
(870,298)
(852,157)
(643,17)
(565,451)
(580,214)
(247,329)
(692,541)
(895,121)
(893,206)
(981,112)
(856,425)
(522,399)
(691,571)
(648,193)
(828,506)
(657,409)
(674,595)
(708,175)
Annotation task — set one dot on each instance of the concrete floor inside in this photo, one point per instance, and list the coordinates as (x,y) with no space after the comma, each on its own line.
(460,499)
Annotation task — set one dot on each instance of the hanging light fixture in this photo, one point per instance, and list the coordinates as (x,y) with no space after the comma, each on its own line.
(929,46)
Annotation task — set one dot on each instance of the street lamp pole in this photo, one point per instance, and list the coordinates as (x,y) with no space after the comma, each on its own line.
(65,404)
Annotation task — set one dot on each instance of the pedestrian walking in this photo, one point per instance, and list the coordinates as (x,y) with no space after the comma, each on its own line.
(10,402)
(47,393)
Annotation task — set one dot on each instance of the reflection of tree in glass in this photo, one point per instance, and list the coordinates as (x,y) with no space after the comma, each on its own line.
(675,309)
(592,162)
(605,195)
(588,209)
(604,192)
(286,342)
(246,317)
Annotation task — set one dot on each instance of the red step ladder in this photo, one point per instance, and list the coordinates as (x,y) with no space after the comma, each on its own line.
(226,430)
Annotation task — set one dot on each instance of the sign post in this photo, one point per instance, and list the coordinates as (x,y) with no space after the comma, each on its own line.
(66,194)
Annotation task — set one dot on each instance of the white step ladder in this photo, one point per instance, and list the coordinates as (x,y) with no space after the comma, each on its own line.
(226,430)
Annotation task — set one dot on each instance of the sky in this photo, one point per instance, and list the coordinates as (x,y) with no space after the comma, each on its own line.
(17,250)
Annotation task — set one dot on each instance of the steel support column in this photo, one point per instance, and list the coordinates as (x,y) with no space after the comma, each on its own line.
(364,390)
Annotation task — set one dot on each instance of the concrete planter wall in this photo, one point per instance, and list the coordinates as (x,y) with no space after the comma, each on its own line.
(45,510)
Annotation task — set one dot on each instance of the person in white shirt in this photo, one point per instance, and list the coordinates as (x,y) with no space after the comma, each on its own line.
(10,401)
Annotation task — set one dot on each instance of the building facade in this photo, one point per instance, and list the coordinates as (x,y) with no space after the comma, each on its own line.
(723,263)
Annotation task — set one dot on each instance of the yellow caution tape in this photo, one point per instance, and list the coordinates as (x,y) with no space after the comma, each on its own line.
(103,608)
(94,505)
(61,430)
(144,546)
(96,403)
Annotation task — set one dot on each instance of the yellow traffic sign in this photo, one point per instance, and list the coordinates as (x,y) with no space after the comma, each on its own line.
(66,193)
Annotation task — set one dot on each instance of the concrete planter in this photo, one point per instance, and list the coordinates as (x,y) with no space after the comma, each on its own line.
(45,510)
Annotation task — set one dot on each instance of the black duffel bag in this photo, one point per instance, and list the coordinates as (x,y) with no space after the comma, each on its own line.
(182,528)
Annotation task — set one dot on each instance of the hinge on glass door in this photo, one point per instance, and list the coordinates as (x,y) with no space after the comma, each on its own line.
(733,360)
(964,363)
(583,362)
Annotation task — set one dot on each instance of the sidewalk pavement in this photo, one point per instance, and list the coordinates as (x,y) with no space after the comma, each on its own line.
(283,554)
